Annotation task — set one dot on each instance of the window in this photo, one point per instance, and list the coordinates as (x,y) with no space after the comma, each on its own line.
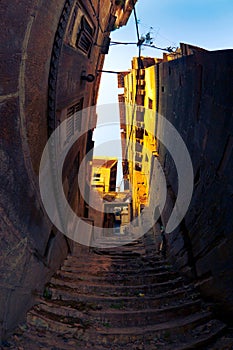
(140,100)
(138,157)
(139,133)
(85,36)
(138,147)
(138,167)
(150,103)
(69,126)
(72,177)
(81,30)
(74,119)
(139,115)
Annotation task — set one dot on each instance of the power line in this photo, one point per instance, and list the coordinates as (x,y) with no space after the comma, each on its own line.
(168,49)
(136,22)
(122,43)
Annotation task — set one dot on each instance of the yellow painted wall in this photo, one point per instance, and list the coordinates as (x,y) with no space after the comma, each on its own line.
(140,148)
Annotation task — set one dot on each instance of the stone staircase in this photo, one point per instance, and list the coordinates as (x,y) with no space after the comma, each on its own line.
(119,298)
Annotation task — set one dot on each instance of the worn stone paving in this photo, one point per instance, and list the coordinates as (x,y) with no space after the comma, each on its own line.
(120,298)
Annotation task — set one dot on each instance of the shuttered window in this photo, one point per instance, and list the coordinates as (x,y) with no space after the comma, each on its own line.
(74,119)
(85,36)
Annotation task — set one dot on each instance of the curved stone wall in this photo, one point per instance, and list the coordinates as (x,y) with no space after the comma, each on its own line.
(40,84)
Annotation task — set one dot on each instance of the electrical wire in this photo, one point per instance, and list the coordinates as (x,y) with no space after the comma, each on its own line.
(168,49)
(136,21)
(122,43)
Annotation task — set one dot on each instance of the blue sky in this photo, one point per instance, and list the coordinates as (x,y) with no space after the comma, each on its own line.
(205,23)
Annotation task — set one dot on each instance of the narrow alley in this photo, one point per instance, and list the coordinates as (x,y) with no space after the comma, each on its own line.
(118,238)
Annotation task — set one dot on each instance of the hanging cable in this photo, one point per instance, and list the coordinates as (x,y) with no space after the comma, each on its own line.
(122,43)
(168,49)
(136,22)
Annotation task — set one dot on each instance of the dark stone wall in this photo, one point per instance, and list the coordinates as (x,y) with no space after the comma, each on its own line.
(196,96)
(40,78)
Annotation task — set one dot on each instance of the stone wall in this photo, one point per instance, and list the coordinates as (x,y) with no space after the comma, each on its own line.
(40,81)
(196,96)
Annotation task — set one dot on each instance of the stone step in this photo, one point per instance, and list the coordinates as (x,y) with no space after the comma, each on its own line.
(115,266)
(121,336)
(43,339)
(105,270)
(117,241)
(114,258)
(49,321)
(200,340)
(124,248)
(132,244)
(121,279)
(173,297)
(134,318)
(85,287)
(118,298)
(135,264)
(71,309)
(78,260)
(127,253)
(120,318)
(34,339)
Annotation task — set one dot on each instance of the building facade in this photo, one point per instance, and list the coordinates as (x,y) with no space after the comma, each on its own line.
(52,52)
(103,185)
(104,174)
(138,125)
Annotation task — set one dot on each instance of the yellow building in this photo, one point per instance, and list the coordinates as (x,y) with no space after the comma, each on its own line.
(104,173)
(138,128)
(139,105)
